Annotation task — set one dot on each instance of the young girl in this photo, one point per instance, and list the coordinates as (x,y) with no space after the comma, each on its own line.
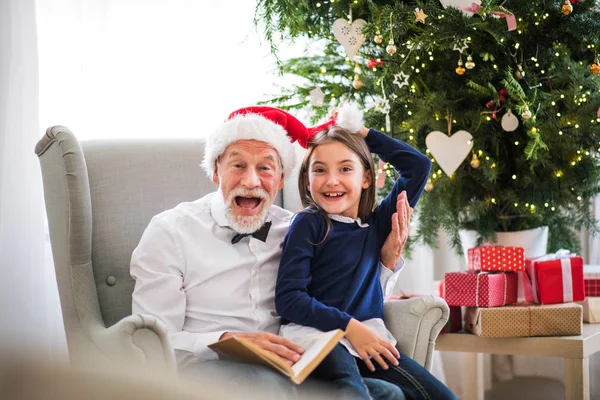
(329,275)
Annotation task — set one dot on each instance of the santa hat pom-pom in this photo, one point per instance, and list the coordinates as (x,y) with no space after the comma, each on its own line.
(350,117)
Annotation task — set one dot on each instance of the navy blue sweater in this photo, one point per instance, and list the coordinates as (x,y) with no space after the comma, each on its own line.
(326,285)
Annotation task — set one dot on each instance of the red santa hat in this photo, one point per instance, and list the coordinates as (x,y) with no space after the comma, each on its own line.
(276,127)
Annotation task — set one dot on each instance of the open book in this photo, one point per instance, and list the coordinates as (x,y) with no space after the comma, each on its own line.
(316,347)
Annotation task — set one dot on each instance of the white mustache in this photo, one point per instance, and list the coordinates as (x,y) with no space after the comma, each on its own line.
(241,192)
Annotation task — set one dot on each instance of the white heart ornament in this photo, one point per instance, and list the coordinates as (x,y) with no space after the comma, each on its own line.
(349,35)
(449,151)
(509,121)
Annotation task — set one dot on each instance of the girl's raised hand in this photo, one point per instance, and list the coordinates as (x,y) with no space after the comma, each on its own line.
(394,244)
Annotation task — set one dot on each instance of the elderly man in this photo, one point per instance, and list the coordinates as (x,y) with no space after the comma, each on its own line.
(208,268)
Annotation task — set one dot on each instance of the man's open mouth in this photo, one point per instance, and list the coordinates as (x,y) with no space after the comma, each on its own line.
(248,203)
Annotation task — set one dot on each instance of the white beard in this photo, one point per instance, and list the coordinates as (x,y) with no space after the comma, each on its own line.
(247,224)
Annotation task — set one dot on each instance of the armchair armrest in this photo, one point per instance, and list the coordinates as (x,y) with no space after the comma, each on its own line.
(138,339)
(416,323)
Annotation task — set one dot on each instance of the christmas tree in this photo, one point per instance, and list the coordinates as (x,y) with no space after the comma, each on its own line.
(511,92)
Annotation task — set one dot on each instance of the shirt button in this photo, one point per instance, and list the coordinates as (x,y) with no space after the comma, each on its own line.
(111,281)
(254,273)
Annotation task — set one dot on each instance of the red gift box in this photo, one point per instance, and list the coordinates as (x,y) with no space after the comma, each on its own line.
(496,258)
(591,280)
(556,278)
(480,290)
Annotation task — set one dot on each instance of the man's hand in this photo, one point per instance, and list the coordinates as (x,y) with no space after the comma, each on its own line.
(368,343)
(275,344)
(394,244)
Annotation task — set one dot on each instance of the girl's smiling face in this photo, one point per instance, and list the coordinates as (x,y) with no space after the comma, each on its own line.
(336,179)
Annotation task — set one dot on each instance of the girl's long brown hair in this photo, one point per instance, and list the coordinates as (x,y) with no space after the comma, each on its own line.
(358,146)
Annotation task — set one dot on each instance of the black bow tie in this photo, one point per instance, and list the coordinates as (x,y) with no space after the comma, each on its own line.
(260,234)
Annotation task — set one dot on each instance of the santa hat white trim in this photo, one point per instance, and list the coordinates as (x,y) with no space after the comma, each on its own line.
(350,117)
(247,127)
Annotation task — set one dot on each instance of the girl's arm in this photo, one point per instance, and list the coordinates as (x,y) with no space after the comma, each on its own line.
(292,300)
(413,168)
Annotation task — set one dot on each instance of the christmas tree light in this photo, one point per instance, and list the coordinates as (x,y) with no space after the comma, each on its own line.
(530,100)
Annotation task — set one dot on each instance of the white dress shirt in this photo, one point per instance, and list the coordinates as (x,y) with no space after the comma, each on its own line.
(189,274)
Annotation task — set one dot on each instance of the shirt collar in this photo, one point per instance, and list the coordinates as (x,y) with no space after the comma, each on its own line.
(347,220)
(217,209)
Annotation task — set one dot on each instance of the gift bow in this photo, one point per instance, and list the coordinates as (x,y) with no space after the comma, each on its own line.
(560,254)
(511,21)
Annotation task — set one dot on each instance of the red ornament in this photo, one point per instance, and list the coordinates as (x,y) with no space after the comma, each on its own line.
(494,115)
(575,1)
(490,104)
(374,63)
(502,93)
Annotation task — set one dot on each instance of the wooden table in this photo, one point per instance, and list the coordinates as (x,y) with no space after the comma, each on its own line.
(574,349)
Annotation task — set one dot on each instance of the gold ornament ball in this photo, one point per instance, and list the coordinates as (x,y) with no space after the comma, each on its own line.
(429,186)
(519,73)
(391,48)
(469,63)
(475,162)
(567,7)
(378,38)
(357,83)
(595,68)
(460,70)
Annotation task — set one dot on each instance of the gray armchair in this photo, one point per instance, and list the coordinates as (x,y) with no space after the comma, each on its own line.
(100,196)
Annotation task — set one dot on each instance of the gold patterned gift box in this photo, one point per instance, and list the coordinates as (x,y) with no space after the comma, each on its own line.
(521,321)
(591,310)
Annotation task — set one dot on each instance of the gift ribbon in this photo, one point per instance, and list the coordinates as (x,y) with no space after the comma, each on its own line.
(511,21)
(562,253)
(567,279)
(534,284)
(521,286)
(530,309)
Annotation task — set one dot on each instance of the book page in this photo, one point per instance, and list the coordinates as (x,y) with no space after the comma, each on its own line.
(313,344)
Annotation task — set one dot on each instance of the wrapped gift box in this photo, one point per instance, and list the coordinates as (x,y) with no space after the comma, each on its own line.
(455,322)
(591,310)
(480,290)
(496,258)
(438,288)
(591,280)
(556,279)
(521,321)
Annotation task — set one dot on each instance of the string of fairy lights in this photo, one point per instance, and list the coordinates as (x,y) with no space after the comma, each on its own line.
(409,53)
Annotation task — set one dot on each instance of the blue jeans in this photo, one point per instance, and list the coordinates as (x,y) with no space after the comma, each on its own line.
(224,379)
(349,374)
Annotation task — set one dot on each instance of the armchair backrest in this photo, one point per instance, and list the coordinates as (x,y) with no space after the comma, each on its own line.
(100,196)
